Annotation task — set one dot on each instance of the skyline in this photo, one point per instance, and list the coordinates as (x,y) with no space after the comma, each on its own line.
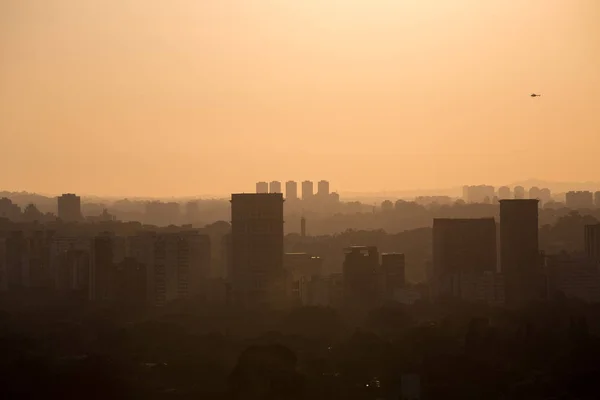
(156,100)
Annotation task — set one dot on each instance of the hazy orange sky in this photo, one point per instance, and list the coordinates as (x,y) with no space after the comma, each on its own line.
(157,97)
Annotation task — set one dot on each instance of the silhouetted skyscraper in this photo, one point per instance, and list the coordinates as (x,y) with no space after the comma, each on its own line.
(307,190)
(393,268)
(461,247)
(69,207)
(360,269)
(291,190)
(262,187)
(323,188)
(275,187)
(519,254)
(592,242)
(257,248)
(597,199)
(519,192)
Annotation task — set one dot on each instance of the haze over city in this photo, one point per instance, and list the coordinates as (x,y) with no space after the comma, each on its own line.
(155,98)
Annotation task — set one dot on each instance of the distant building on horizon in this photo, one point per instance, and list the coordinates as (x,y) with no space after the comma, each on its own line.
(291,190)
(275,187)
(504,193)
(479,194)
(580,199)
(262,187)
(323,188)
(307,190)
(69,207)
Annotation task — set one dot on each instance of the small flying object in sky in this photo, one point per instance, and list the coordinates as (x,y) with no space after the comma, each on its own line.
(535,95)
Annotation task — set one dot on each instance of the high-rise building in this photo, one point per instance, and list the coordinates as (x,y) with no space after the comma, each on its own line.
(257,274)
(580,199)
(3,272)
(597,199)
(262,187)
(102,268)
(300,269)
(519,254)
(323,188)
(461,247)
(69,207)
(291,190)
(519,192)
(361,273)
(275,187)
(72,272)
(177,265)
(573,277)
(504,193)
(307,190)
(393,269)
(592,241)
(17,261)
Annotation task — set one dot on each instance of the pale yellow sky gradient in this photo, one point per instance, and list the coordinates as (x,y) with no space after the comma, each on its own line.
(159,98)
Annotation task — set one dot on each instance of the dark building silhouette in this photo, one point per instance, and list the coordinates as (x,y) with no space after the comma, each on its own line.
(323,188)
(592,241)
(262,187)
(393,270)
(572,277)
(130,283)
(101,268)
(291,190)
(301,269)
(519,192)
(73,273)
(69,207)
(461,248)
(361,277)
(275,187)
(519,255)
(9,210)
(177,264)
(307,190)
(16,260)
(257,274)
(226,256)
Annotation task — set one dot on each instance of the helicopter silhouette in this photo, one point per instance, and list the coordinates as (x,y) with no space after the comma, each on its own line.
(535,95)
